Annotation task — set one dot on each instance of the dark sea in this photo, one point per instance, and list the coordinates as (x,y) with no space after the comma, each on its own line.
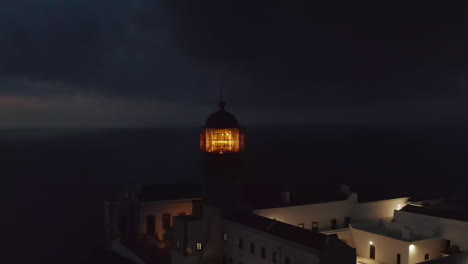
(54,182)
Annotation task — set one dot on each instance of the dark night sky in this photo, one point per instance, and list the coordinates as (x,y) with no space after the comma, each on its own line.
(87,63)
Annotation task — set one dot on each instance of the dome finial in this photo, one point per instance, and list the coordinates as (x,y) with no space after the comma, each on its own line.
(222,104)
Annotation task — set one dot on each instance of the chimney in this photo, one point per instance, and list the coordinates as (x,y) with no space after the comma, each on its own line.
(406,233)
(346,189)
(285,197)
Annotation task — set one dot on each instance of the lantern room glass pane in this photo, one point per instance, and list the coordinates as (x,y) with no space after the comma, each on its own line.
(222,140)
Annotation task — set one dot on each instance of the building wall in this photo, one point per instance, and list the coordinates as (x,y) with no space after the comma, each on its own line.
(121,214)
(207,230)
(323,213)
(378,209)
(453,230)
(158,209)
(344,235)
(298,254)
(386,249)
(433,247)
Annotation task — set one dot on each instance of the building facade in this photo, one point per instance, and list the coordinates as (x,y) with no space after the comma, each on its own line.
(216,222)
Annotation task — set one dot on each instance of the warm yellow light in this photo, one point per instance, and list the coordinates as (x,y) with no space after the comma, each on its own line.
(371,243)
(411,246)
(199,246)
(222,140)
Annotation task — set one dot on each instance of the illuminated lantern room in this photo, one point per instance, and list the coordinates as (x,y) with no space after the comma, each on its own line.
(222,133)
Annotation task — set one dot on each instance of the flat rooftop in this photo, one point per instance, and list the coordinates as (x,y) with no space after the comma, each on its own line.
(382,228)
(452,210)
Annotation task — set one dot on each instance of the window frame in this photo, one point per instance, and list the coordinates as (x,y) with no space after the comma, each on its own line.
(240,243)
(315,226)
(199,246)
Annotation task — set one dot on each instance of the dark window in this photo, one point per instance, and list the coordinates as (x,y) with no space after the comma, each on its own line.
(122,223)
(287,260)
(347,221)
(252,248)
(225,236)
(315,226)
(333,224)
(166,221)
(181,214)
(197,208)
(275,257)
(224,259)
(263,252)
(301,225)
(230,259)
(426,256)
(240,243)
(178,244)
(150,225)
(398,259)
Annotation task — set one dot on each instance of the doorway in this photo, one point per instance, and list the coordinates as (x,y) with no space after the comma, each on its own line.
(372,252)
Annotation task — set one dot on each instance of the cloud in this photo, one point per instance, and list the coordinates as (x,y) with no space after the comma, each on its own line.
(324,54)
(265,56)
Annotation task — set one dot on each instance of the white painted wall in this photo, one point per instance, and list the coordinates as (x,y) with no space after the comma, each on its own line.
(124,252)
(420,248)
(386,249)
(453,230)
(323,213)
(297,253)
(158,209)
(378,209)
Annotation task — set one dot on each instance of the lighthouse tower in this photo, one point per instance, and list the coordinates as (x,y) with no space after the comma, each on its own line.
(222,140)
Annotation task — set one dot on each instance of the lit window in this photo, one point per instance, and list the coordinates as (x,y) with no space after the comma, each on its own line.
(199,246)
(301,225)
(225,236)
(178,244)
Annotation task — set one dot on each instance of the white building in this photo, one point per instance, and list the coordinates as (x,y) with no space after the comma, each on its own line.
(228,220)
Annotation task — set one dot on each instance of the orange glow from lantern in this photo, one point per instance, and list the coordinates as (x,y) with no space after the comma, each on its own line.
(221,141)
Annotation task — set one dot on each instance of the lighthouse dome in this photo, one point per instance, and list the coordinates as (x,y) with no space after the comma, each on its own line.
(222,119)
